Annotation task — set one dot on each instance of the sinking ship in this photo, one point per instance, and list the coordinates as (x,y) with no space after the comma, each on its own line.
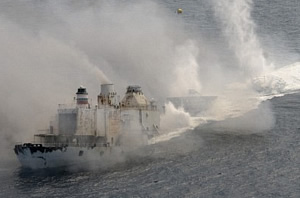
(81,133)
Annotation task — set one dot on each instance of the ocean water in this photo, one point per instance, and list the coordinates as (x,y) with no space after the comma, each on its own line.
(208,161)
(205,162)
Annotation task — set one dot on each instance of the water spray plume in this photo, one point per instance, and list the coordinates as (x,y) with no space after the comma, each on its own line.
(174,118)
(186,69)
(240,30)
(238,97)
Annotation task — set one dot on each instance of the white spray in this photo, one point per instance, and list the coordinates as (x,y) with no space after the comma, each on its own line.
(239,28)
(238,97)
(45,61)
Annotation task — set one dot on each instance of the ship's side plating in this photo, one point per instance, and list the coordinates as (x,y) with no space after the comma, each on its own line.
(80,131)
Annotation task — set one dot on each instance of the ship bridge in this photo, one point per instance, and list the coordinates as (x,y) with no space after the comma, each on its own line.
(134,89)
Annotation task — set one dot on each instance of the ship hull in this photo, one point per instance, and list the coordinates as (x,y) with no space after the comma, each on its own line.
(36,156)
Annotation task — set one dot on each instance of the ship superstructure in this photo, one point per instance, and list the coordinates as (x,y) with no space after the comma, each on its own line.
(80,131)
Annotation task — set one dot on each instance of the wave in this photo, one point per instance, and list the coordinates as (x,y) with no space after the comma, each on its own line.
(279,82)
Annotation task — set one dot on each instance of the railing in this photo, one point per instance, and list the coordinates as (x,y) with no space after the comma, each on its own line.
(70,144)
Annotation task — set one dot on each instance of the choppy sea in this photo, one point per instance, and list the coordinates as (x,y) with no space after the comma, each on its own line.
(208,161)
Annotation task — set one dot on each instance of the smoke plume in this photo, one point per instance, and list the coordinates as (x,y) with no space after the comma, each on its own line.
(49,48)
(66,44)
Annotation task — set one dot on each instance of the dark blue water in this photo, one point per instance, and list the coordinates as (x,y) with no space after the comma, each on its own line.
(206,162)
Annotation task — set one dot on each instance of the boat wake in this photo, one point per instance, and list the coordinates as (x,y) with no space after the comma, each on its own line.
(168,135)
(282,81)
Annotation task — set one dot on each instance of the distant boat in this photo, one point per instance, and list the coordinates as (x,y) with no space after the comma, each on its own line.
(193,103)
